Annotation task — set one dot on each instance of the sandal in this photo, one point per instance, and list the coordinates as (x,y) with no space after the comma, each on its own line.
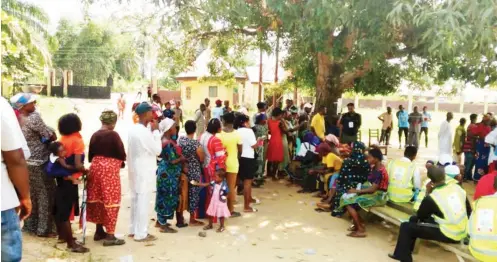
(235,214)
(158,225)
(167,229)
(79,249)
(148,238)
(357,234)
(196,223)
(114,242)
(220,230)
(352,228)
(255,201)
(252,210)
(208,227)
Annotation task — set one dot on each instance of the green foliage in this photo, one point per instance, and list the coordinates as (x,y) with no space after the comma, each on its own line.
(24,43)
(93,52)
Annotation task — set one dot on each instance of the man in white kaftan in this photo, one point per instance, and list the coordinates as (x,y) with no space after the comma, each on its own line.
(144,146)
(445,136)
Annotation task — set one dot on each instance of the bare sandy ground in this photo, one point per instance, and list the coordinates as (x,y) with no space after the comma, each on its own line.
(286,228)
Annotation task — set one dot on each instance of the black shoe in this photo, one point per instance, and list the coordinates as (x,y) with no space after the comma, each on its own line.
(392,256)
(178,225)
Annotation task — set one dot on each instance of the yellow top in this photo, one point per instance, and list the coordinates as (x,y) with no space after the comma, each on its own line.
(230,142)
(319,125)
(332,161)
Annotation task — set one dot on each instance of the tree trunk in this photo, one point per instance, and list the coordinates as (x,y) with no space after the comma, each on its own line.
(328,89)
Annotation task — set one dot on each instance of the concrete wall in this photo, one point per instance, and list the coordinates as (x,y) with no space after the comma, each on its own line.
(442,106)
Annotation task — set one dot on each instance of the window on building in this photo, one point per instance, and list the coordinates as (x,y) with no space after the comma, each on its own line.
(188,93)
(212,91)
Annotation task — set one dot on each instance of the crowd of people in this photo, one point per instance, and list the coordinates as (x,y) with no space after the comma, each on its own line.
(226,153)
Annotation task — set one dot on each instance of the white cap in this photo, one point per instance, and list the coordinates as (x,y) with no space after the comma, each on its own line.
(166,124)
(452,170)
(445,159)
(307,105)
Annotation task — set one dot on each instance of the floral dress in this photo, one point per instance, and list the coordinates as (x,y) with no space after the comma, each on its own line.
(261,131)
(189,148)
(42,187)
(168,174)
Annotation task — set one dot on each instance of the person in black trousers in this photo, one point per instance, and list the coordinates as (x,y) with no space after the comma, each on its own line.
(422,225)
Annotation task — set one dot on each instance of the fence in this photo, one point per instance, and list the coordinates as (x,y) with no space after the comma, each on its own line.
(442,106)
(88,92)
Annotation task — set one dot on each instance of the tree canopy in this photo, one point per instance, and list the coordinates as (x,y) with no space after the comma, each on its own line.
(335,45)
(25,44)
(93,52)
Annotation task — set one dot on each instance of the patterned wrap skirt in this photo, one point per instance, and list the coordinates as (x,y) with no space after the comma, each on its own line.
(104,192)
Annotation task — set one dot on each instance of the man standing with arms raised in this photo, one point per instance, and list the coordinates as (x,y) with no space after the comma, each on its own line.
(144,145)
(14,173)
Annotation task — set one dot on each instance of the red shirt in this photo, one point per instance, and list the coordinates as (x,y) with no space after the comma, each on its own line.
(481,130)
(485,186)
(469,142)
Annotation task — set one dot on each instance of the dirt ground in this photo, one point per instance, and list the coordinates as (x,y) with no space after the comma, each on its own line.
(286,228)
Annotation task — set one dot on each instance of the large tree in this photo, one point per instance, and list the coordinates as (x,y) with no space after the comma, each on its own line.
(93,52)
(25,49)
(339,44)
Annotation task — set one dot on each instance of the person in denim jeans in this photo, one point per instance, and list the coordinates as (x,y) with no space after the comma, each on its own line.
(14,176)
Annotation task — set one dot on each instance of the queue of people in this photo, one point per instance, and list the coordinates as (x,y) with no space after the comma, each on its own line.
(202,172)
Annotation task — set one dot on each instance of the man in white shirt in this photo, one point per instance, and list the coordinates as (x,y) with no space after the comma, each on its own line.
(14,173)
(143,148)
(491,139)
(445,136)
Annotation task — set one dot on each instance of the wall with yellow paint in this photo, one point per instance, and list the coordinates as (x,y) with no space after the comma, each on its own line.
(199,91)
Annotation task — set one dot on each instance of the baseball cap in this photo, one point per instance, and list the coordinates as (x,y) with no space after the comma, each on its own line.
(22,99)
(143,108)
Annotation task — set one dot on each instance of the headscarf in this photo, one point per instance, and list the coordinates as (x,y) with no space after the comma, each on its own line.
(355,170)
(108,117)
(332,139)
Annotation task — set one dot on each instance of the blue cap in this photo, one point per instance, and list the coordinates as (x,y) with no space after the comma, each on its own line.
(143,108)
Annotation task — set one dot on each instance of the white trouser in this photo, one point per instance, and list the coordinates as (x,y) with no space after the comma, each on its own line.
(139,215)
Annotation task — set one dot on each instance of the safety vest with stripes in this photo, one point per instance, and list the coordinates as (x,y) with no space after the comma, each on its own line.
(451,200)
(400,186)
(482,229)
(422,193)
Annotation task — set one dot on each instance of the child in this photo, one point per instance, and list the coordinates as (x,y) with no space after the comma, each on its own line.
(58,166)
(218,206)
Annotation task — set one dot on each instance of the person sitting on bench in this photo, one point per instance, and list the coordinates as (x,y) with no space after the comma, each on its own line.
(371,193)
(404,177)
(482,227)
(442,216)
(452,176)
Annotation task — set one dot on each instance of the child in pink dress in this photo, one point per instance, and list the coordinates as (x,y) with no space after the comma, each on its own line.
(218,206)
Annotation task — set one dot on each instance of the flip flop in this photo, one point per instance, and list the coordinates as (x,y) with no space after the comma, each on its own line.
(220,230)
(148,238)
(208,227)
(168,230)
(255,201)
(235,214)
(253,210)
(357,234)
(196,223)
(114,242)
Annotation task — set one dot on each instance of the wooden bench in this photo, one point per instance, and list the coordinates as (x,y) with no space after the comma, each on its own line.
(396,217)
